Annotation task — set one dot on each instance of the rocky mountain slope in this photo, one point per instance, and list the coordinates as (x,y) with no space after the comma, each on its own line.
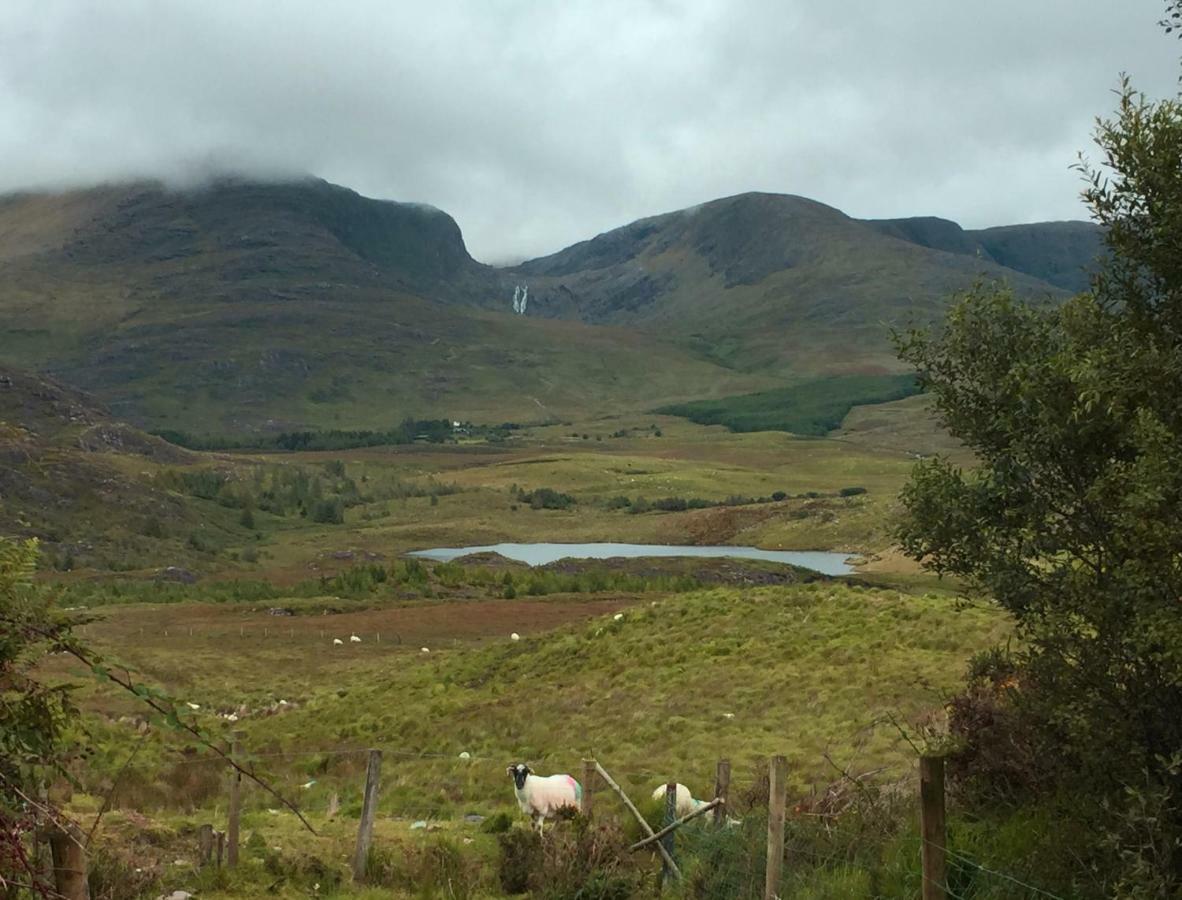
(243,305)
(783,284)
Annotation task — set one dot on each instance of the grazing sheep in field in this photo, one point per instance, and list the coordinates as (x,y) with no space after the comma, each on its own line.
(686,803)
(337,642)
(541,798)
(354,639)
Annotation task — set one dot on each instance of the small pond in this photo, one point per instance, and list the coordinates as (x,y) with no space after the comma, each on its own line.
(825,562)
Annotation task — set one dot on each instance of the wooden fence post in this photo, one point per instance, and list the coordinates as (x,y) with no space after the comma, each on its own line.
(589,776)
(221,837)
(235,803)
(204,845)
(932,830)
(368,810)
(722,789)
(777,800)
(688,817)
(667,875)
(611,783)
(69,863)
(42,852)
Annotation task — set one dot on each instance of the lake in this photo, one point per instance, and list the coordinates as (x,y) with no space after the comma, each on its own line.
(822,561)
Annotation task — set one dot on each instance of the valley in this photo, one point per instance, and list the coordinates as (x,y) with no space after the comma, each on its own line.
(718,376)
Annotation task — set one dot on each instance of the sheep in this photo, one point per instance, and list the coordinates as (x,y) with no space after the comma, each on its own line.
(337,642)
(541,798)
(687,803)
(354,639)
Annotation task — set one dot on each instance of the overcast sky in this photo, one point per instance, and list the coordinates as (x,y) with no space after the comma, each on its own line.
(536,124)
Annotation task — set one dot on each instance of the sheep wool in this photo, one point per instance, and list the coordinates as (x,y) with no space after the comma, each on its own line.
(541,798)
(686,803)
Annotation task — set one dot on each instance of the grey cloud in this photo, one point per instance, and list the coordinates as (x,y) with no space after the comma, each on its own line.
(537,124)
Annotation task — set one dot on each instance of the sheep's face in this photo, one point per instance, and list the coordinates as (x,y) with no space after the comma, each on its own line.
(519,772)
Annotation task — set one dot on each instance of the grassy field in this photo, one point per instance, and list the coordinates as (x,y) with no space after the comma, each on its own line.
(812,408)
(282,515)
(654,686)
(708,660)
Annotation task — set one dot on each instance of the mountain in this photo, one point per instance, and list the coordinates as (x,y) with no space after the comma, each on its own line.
(244,305)
(1061,253)
(784,284)
(240,232)
(74,477)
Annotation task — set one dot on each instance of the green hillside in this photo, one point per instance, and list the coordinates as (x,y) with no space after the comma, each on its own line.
(813,408)
(768,282)
(245,306)
(242,306)
(663,689)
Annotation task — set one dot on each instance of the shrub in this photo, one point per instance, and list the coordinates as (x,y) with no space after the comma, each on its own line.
(520,856)
(586,861)
(498,823)
(852,491)
(328,512)
(546,498)
(113,875)
(779,495)
(671,504)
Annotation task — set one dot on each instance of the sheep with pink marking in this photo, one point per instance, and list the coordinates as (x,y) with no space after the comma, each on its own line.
(542,798)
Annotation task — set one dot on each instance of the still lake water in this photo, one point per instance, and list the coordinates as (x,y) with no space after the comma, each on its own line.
(825,562)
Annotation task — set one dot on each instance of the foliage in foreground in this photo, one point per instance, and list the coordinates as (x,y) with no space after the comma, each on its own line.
(1073,519)
(33,715)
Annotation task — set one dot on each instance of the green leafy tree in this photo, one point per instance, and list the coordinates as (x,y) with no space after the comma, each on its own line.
(1072,517)
(33,715)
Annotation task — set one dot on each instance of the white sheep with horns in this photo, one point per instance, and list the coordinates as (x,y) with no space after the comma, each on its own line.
(541,798)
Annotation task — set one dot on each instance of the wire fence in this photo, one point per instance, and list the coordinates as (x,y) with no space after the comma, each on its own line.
(817,851)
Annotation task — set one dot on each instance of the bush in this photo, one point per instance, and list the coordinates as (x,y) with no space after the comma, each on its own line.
(545,498)
(779,495)
(328,512)
(498,823)
(520,857)
(852,491)
(439,869)
(671,504)
(587,861)
(119,876)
